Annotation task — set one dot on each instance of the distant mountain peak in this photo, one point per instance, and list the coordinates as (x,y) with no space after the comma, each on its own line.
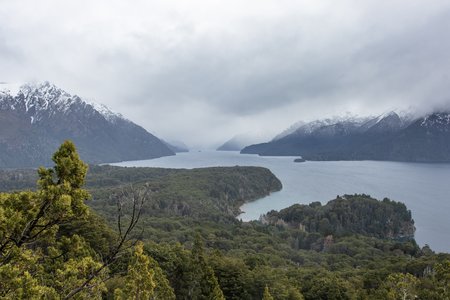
(37,99)
(389,136)
(388,114)
(302,127)
(40,87)
(7,88)
(37,117)
(440,121)
(289,130)
(347,122)
(239,141)
(386,122)
(44,95)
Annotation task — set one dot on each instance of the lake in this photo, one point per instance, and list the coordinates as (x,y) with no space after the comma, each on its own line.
(424,188)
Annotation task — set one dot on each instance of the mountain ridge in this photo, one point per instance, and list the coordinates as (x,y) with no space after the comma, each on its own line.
(239,141)
(390,137)
(36,118)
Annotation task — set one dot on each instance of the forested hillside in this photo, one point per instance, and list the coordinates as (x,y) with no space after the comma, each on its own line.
(346,215)
(55,246)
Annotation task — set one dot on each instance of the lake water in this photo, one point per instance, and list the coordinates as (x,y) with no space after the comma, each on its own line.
(424,188)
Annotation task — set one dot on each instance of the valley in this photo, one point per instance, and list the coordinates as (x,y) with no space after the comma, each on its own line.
(224,150)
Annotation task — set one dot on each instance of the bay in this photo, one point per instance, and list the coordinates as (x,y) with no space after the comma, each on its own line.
(424,188)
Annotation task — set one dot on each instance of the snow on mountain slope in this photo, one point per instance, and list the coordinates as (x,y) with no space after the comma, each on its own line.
(438,121)
(106,112)
(391,120)
(36,118)
(350,121)
(389,136)
(44,99)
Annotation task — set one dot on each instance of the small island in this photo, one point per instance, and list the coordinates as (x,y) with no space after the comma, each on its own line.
(299,160)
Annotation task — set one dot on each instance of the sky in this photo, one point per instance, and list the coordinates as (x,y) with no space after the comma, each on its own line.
(201,72)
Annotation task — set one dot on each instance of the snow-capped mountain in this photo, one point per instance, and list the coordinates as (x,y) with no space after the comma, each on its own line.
(40,101)
(36,118)
(345,125)
(301,128)
(387,122)
(437,121)
(390,136)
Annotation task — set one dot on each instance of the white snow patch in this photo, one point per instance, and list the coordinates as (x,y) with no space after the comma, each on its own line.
(105,111)
(308,128)
(11,89)
(436,119)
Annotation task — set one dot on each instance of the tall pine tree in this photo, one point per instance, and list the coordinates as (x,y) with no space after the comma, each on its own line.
(266,294)
(139,282)
(204,284)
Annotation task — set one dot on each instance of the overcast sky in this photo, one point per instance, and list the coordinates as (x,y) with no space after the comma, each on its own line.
(203,71)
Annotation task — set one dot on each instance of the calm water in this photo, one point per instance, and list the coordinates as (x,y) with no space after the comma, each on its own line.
(424,188)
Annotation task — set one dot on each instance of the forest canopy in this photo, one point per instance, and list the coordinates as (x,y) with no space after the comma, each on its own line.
(145,233)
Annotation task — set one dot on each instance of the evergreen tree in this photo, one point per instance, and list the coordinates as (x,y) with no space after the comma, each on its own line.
(204,284)
(329,286)
(36,260)
(267,295)
(28,217)
(139,282)
(163,290)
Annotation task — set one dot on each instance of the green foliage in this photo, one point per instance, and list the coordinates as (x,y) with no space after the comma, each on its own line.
(163,290)
(233,276)
(329,286)
(401,286)
(245,257)
(266,294)
(203,284)
(354,247)
(139,282)
(442,279)
(37,259)
(350,214)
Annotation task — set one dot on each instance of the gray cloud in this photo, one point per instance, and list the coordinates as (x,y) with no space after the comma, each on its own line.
(202,72)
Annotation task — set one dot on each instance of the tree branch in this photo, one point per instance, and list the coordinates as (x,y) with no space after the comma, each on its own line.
(138,201)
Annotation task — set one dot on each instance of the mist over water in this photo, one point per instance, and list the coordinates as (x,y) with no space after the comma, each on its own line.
(424,188)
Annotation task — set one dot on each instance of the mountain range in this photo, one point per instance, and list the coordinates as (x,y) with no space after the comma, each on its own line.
(36,118)
(391,136)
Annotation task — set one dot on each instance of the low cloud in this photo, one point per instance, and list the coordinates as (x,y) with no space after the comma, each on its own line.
(202,72)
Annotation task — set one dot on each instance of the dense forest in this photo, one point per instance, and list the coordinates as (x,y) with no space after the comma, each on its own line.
(149,233)
(357,214)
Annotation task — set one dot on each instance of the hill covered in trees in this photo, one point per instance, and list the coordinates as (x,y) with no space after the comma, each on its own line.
(349,214)
(193,247)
